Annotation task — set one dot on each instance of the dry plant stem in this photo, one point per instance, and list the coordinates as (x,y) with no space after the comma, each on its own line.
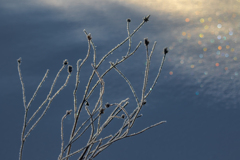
(101,90)
(39,86)
(103,126)
(62,136)
(129,121)
(50,101)
(85,97)
(144,87)
(62,144)
(23,88)
(76,87)
(129,48)
(114,113)
(111,67)
(92,125)
(134,134)
(104,57)
(73,140)
(77,79)
(84,148)
(35,93)
(145,75)
(27,107)
(94,151)
(122,108)
(95,144)
(25,123)
(159,72)
(91,135)
(155,81)
(153,48)
(100,97)
(129,83)
(124,135)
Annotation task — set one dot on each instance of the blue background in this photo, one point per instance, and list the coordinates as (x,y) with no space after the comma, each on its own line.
(197,92)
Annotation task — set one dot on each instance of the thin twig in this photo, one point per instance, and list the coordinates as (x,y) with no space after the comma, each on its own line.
(155,81)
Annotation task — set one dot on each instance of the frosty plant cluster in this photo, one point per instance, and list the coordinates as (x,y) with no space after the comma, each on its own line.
(93,123)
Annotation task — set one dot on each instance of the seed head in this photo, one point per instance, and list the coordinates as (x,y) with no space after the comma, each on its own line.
(128,20)
(122,116)
(70,68)
(146,18)
(19,60)
(144,102)
(89,36)
(101,111)
(165,51)
(86,103)
(65,62)
(146,41)
(68,112)
(107,105)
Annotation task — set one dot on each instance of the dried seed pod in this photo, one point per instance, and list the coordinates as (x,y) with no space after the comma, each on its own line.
(146,41)
(107,105)
(70,68)
(68,112)
(146,19)
(86,103)
(128,20)
(65,62)
(165,51)
(144,102)
(19,60)
(101,111)
(122,116)
(89,36)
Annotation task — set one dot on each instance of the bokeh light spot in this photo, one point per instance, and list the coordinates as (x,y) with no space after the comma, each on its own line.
(202,20)
(226,68)
(227,46)
(192,66)
(235,58)
(187,20)
(199,42)
(184,33)
(209,19)
(212,40)
(205,49)
(219,47)
(232,49)
(201,35)
(171,72)
(219,26)
(217,64)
